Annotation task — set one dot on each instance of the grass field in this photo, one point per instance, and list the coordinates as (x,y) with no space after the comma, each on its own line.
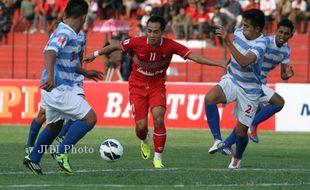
(279,161)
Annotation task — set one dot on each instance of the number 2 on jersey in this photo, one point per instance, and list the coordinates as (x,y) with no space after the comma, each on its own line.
(152,56)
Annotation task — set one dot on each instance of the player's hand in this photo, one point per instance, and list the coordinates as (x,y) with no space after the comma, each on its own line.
(222,33)
(48,85)
(94,75)
(89,58)
(289,71)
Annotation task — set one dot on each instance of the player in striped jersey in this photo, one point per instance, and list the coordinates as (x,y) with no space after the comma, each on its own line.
(61,60)
(241,83)
(277,53)
(38,121)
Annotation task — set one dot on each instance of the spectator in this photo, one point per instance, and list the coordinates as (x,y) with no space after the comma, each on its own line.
(145,18)
(299,13)
(181,24)
(307,18)
(269,9)
(171,9)
(5,24)
(38,15)
(232,9)
(252,5)
(130,6)
(285,8)
(48,15)
(27,12)
(91,15)
(201,22)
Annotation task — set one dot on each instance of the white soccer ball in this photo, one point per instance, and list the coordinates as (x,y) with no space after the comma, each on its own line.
(111,150)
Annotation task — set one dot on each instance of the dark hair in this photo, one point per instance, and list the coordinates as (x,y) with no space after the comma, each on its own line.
(256,17)
(286,23)
(76,8)
(159,19)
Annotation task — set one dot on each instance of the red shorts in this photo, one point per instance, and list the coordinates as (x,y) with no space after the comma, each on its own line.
(144,97)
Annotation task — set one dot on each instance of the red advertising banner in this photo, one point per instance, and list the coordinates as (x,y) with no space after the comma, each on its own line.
(19,103)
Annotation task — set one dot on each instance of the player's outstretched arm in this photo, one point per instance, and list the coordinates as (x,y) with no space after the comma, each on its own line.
(91,74)
(242,60)
(49,61)
(286,71)
(105,50)
(198,58)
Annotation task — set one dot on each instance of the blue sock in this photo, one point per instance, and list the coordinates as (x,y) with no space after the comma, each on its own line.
(265,113)
(77,131)
(33,132)
(213,119)
(45,139)
(231,139)
(241,145)
(65,128)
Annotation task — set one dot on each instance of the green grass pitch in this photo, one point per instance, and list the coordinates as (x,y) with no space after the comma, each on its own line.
(280,161)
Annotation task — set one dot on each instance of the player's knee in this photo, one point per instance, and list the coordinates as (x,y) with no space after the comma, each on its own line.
(91,118)
(208,100)
(281,102)
(159,122)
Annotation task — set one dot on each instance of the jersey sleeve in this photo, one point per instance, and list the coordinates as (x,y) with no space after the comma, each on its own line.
(127,44)
(287,57)
(259,48)
(57,42)
(181,50)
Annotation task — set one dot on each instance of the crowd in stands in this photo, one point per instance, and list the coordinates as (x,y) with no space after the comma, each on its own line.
(187,19)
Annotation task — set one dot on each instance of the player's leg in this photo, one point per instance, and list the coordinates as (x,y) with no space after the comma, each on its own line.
(45,139)
(157,102)
(86,119)
(159,135)
(140,108)
(241,144)
(216,95)
(68,122)
(244,112)
(35,127)
(64,130)
(275,104)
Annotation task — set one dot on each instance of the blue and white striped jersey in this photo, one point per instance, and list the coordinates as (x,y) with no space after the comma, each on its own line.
(67,44)
(274,56)
(248,78)
(79,78)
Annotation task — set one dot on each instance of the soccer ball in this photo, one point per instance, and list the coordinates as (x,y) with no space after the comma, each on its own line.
(111,150)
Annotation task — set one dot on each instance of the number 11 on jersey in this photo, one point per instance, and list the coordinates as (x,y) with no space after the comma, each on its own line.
(152,56)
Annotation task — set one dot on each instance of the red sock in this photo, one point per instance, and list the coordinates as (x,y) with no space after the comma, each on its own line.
(141,134)
(159,138)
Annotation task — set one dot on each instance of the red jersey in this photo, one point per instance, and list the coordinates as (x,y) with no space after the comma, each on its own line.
(150,64)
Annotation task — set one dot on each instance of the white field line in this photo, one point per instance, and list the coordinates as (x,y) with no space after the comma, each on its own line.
(156,186)
(26,171)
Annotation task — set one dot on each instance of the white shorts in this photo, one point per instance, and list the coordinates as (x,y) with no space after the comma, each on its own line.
(245,108)
(77,89)
(63,103)
(268,93)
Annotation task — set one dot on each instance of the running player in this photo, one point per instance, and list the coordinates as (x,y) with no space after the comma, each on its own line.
(241,84)
(277,52)
(61,58)
(152,57)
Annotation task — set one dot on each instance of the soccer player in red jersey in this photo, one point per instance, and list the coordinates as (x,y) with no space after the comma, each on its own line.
(152,57)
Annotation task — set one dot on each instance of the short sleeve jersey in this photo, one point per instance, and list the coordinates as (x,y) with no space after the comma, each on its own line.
(274,56)
(149,63)
(68,45)
(248,78)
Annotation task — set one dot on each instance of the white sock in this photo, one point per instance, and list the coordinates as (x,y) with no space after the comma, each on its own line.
(157,156)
